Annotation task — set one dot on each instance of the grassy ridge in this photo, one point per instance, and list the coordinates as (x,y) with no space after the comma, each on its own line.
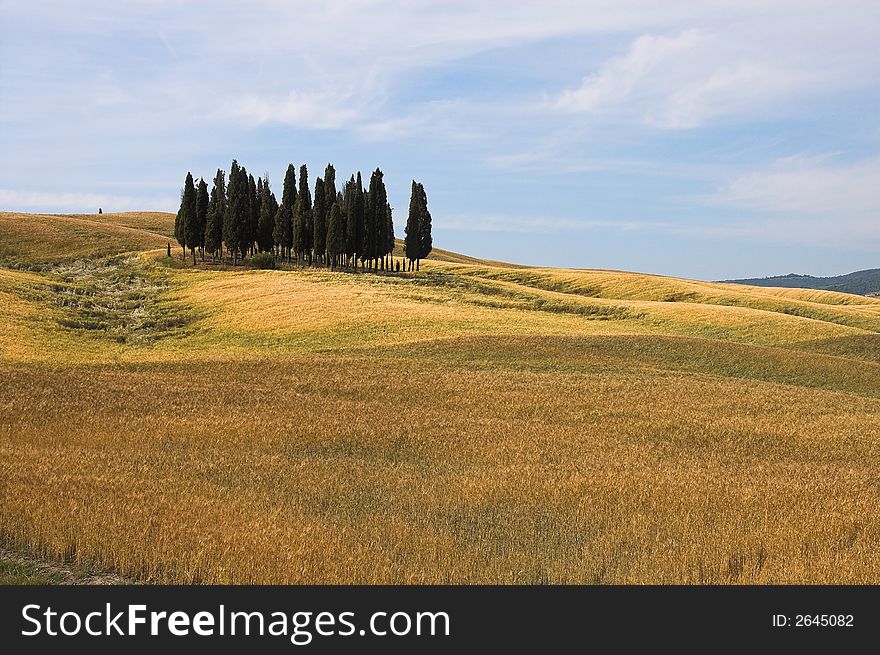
(37,239)
(475,422)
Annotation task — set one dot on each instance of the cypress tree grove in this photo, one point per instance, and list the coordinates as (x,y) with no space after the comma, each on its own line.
(336,241)
(189,218)
(319,220)
(201,214)
(306,213)
(216,212)
(282,234)
(268,209)
(242,215)
(233,211)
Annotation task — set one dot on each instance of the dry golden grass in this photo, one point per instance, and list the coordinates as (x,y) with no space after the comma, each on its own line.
(472,423)
(158,222)
(47,238)
(327,468)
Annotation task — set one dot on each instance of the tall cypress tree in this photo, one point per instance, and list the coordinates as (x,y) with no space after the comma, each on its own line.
(216,212)
(268,209)
(233,211)
(299,227)
(351,234)
(375,220)
(319,220)
(282,235)
(330,187)
(329,195)
(245,233)
(201,215)
(305,195)
(368,243)
(189,218)
(411,245)
(426,241)
(336,241)
(418,241)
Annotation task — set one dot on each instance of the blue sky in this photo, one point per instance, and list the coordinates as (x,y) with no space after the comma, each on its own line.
(700,139)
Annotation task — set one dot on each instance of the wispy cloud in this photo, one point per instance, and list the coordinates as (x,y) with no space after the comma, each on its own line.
(305,110)
(681,81)
(807,185)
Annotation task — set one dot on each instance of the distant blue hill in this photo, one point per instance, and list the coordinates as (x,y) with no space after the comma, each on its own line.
(860,282)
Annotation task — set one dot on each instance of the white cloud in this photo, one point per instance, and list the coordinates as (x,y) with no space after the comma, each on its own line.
(619,78)
(305,110)
(808,185)
(684,80)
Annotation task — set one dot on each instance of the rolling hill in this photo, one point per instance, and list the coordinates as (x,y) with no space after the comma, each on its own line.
(861,282)
(472,422)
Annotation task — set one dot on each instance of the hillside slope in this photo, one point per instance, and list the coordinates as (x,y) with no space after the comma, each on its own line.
(860,282)
(34,239)
(472,422)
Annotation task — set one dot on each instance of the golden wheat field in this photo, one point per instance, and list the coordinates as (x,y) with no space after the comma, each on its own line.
(475,422)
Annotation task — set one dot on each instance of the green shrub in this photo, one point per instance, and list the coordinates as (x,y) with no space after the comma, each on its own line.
(263,260)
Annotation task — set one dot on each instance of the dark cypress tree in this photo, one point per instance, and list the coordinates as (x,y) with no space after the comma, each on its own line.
(319,220)
(329,199)
(411,245)
(336,241)
(330,186)
(189,219)
(375,220)
(354,233)
(243,224)
(282,235)
(426,241)
(299,227)
(216,212)
(418,241)
(233,208)
(202,214)
(307,233)
(348,211)
(268,209)
(368,244)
